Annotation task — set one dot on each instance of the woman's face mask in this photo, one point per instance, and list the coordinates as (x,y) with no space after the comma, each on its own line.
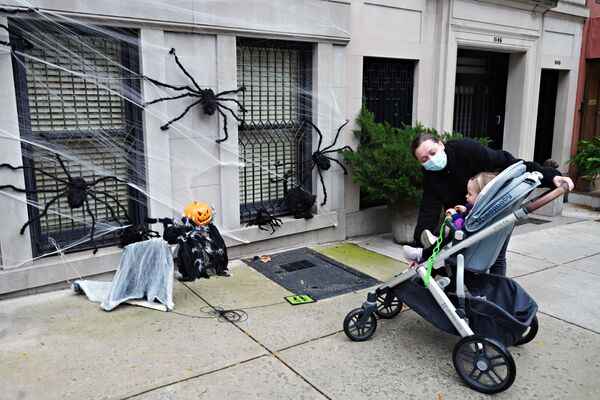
(437,162)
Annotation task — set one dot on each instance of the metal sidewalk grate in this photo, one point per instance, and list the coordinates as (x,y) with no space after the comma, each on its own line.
(304,271)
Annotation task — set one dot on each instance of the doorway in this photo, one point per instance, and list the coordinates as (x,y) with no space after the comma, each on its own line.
(590,121)
(480,95)
(544,129)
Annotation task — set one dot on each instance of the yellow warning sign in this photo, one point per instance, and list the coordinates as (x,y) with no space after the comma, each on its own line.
(299,299)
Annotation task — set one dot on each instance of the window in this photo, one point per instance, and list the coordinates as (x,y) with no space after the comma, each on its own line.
(274,140)
(71,86)
(388,89)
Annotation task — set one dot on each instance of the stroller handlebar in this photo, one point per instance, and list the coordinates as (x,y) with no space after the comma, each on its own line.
(546,198)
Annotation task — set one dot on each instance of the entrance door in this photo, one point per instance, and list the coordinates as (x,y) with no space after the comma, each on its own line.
(480,95)
(544,130)
(590,123)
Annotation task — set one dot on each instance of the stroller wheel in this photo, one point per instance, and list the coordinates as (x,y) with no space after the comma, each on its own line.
(390,306)
(484,364)
(530,333)
(357,331)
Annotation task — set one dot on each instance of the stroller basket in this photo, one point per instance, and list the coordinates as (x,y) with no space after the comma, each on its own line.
(498,307)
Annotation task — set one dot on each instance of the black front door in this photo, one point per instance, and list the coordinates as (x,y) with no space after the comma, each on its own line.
(480,95)
(544,130)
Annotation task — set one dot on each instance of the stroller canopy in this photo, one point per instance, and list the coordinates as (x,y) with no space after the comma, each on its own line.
(502,196)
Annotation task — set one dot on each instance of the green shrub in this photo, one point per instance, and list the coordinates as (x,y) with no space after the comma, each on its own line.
(587,158)
(383,165)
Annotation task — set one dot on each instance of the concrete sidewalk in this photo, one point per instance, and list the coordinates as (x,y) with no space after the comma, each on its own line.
(59,345)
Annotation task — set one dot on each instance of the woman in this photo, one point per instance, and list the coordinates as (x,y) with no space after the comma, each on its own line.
(447,167)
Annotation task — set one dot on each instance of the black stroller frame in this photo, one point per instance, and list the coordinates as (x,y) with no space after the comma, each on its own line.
(489,312)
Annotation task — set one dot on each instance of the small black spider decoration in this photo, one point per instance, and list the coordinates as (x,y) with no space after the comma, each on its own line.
(263,217)
(77,191)
(207,98)
(136,233)
(322,160)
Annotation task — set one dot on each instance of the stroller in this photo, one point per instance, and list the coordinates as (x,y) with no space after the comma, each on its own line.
(489,312)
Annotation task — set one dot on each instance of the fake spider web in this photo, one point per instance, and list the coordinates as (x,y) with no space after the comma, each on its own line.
(81,95)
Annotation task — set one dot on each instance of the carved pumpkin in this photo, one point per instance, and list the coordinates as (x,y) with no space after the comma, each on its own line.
(200,213)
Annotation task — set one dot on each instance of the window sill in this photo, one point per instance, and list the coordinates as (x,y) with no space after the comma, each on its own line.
(289,226)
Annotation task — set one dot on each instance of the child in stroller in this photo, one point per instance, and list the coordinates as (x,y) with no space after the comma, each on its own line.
(458,214)
(490,312)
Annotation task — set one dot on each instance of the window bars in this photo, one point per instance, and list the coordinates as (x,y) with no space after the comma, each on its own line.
(71,93)
(274,140)
(388,89)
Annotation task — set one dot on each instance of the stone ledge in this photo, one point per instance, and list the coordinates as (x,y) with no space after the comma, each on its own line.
(290,226)
(590,199)
(370,221)
(51,270)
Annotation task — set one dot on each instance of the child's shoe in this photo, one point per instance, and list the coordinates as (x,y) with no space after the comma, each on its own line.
(427,238)
(412,253)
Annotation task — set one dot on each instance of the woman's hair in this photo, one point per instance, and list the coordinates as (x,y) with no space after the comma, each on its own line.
(482,179)
(422,138)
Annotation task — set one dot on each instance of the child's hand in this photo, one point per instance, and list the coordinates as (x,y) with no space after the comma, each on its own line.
(460,209)
(450,211)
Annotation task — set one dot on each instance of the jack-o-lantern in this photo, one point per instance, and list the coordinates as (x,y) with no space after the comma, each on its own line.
(200,213)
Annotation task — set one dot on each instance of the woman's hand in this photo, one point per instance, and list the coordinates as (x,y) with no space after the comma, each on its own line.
(460,209)
(559,180)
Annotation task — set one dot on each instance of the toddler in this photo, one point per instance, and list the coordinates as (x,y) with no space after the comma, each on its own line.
(458,214)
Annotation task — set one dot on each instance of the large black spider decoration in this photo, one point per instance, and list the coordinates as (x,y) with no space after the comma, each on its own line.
(322,160)
(210,101)
(263,217)
(77,191)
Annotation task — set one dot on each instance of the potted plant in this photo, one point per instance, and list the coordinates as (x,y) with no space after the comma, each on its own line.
(385,169)
(587,164)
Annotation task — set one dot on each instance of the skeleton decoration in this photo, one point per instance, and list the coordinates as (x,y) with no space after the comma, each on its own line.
(201,250)
(77,191)
(207,98)
(321,158)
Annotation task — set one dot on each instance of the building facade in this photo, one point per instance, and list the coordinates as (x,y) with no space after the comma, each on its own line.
(503,69)
(586,123)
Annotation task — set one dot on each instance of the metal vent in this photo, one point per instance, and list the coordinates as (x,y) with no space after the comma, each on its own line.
(297,265)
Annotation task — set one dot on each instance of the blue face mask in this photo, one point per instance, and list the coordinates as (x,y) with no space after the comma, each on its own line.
(437,162)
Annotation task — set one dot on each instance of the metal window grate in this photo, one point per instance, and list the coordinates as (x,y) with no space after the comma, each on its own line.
(388,89)
(71,89)
(274,139)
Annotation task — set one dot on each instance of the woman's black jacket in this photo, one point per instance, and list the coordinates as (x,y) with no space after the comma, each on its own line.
(447,188)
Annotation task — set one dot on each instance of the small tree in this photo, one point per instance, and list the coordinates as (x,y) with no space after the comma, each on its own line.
(383,165)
